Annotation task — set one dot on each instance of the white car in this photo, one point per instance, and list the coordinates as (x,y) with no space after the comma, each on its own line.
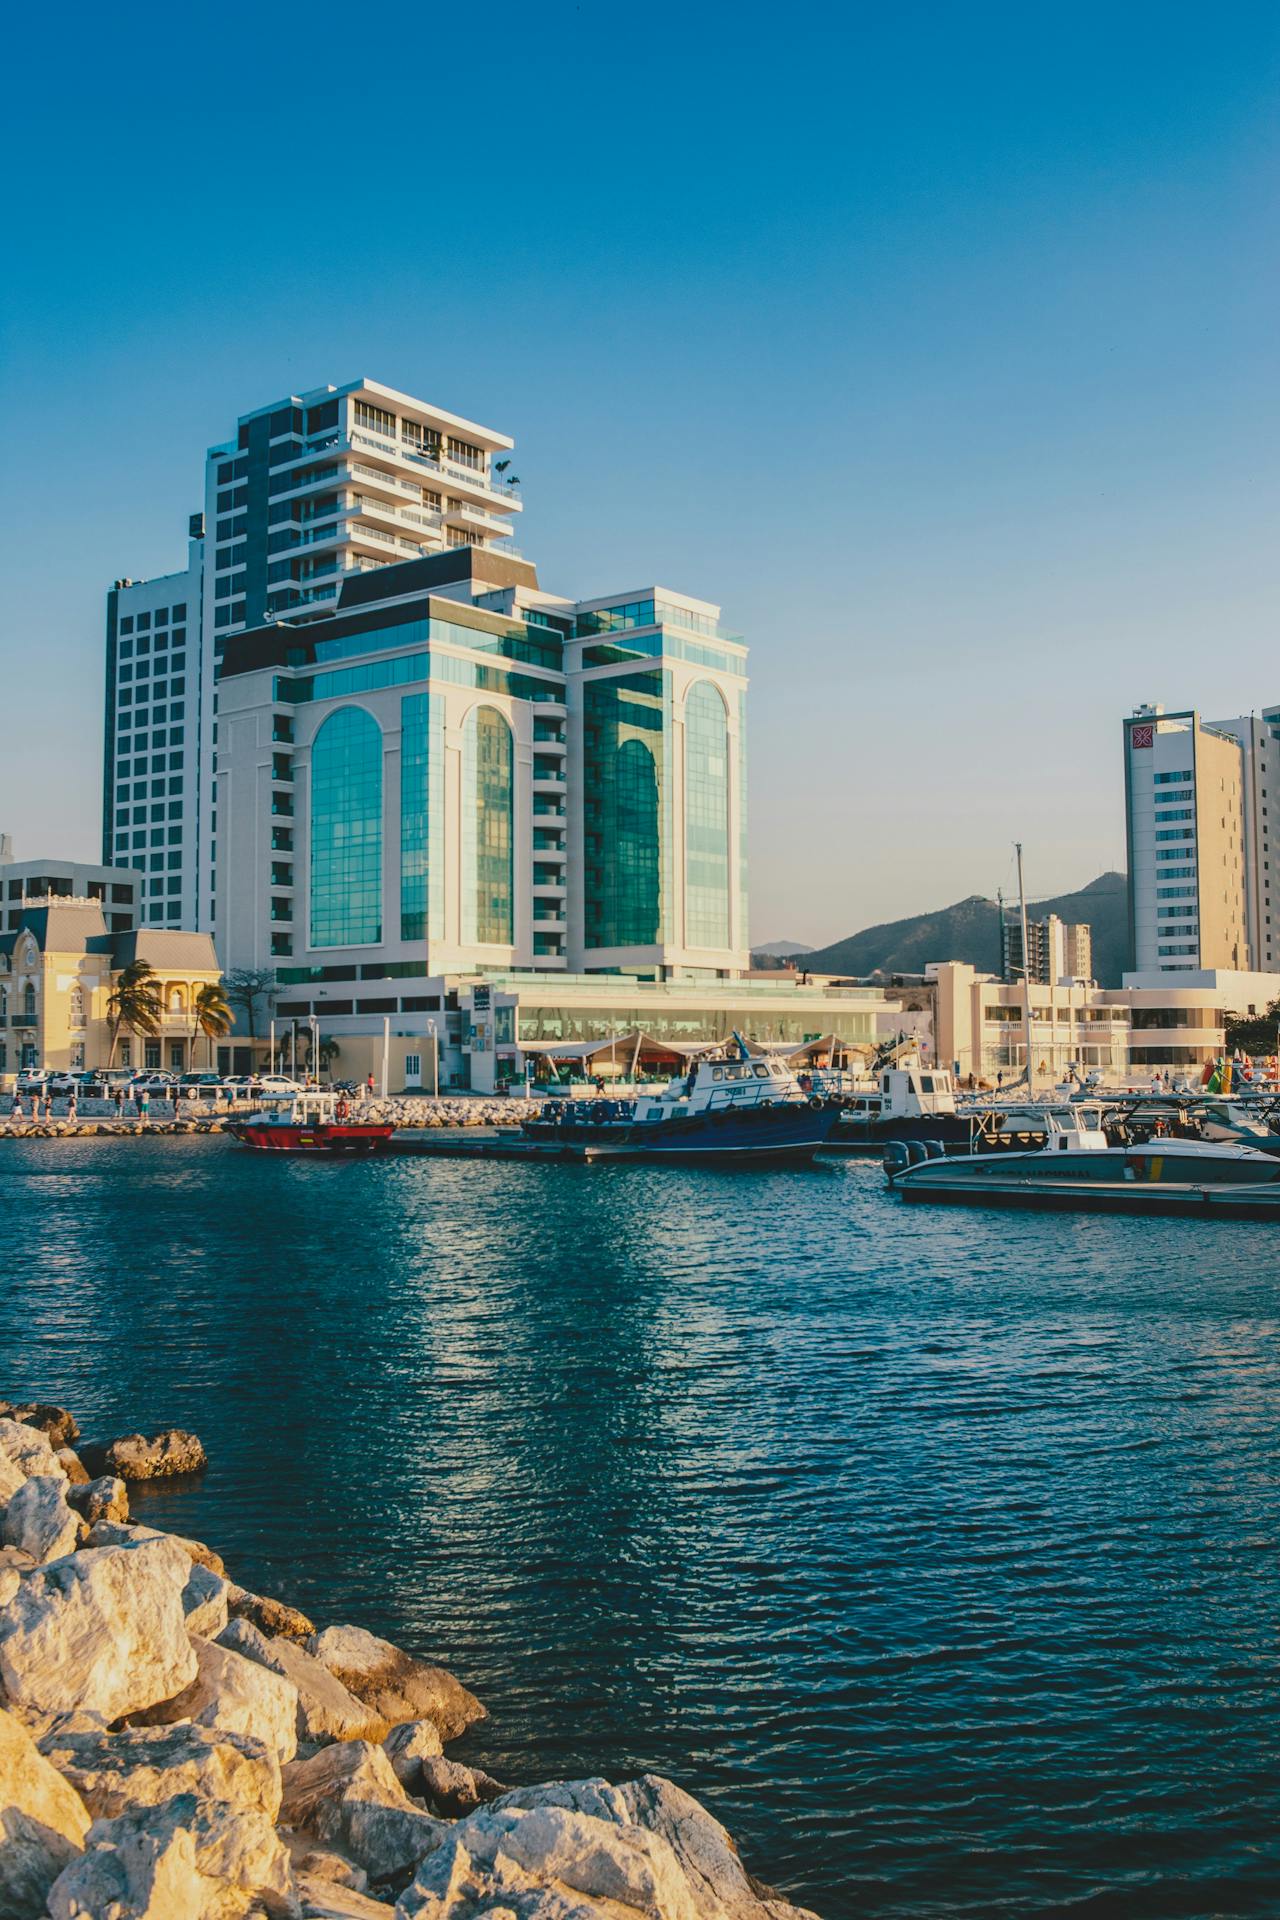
(277,1083)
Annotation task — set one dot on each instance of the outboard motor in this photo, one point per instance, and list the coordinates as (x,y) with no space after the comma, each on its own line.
(897,1156)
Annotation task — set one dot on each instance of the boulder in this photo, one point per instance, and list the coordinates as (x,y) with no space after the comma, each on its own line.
(39,1521)
(136,1457)
(100,1630)
(452,1789)
(114,1533)
(27,1449)
(11,1478)
(322,1899)
(204,1600)
(322,1863)
(59,1427)
(646,1849)
(73,1466)
(547,1861)
(268,1615)
(189,1859)
(407,1746)
(235,1695)
(396,1686)
(348,1797)
(103,1499)
(43,1822)
(326,1711)
(144,1766)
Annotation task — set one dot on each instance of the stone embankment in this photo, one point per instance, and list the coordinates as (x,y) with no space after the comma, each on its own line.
(175,1747)
(402,1110)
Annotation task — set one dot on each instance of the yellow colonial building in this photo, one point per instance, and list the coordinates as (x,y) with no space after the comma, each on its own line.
(57,970)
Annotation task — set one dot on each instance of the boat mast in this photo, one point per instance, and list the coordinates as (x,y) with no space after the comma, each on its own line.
(1026,969)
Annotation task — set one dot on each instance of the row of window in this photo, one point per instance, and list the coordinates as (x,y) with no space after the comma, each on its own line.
(1172,779)
(174,738)
(144,642)
(141,622)
(1177,833)
(124,768)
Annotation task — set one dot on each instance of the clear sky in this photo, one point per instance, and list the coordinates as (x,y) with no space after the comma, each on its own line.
(937,343)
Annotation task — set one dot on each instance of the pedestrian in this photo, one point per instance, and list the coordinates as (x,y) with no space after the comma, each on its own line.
(368,1086)
(71,1104)
(144,1105)
(48,1103)
(15,1111)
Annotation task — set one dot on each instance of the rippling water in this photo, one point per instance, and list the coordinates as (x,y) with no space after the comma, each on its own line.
(936,1551)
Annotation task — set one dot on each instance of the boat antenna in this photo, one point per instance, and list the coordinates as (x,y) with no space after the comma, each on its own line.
(1026,969)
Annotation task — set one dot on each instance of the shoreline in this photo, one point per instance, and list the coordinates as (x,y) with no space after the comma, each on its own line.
(165,1733)
(445,1113)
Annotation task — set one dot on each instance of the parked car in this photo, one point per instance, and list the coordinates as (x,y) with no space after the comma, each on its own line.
(200,1086)
(276,1083)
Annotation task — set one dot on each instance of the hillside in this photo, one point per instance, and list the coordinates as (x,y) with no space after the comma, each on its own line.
(970,930)
(782,949)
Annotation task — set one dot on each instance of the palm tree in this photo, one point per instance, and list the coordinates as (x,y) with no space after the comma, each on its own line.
(210,1016)
(134,1002)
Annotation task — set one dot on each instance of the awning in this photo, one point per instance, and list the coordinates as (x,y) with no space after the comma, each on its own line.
(619,1046)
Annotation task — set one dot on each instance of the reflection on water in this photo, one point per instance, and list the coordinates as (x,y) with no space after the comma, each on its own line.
(937,1552)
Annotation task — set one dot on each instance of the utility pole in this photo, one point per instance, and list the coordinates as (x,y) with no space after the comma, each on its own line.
(1026,969)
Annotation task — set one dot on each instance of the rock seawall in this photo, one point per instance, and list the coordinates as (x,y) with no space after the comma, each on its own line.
(174,1747)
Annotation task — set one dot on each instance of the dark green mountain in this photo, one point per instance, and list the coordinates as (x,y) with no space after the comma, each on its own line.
(970,930)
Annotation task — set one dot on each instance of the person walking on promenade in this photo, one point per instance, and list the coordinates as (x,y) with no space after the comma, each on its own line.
(368,1087)
(144,1105)
(48,1103)
(71,1103)
(118,1097)
(15,1111)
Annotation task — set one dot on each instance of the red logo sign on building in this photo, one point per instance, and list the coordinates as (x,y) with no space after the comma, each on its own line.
(1142,736)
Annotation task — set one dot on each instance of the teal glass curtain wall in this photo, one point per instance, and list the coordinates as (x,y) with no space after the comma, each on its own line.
(346,831)
(626,806)
(706,805)
(421,815)
(488,759)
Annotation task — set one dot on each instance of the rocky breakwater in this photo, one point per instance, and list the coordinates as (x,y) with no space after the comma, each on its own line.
(467,1110)
(175,1747)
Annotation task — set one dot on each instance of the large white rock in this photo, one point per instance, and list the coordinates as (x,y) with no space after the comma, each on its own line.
(236,1695)
(394,1684)
(348,1797)
(326,1711)
(324,1900)
(204,1601)
(269,1615)
(38,1519)
(407,1746)
(103,1631)
(115,1533)
(43,1822)
(645,1849)
(144,1766)
(11,1478)
(547,1862)
(27,1449)
(189,1859)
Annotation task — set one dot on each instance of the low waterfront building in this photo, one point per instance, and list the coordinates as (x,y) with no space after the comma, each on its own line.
(1152,1024)
(57,970)
(28,883)
(467,1031)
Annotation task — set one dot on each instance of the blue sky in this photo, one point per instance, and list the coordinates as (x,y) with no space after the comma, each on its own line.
(938,344)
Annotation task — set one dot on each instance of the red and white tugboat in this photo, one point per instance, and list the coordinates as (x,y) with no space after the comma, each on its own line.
(312,1122)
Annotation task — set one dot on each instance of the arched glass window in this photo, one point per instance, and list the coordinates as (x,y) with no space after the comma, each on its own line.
(488,799)
(636,854)
(29,1000)
(706,801)
(75,1013)
(346,831)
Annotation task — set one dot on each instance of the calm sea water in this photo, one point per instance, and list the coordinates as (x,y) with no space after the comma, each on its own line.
(938,1552)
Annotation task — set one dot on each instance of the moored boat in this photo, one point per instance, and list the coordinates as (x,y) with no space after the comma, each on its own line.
(312,1122)
(732,1108)
(1080,1168)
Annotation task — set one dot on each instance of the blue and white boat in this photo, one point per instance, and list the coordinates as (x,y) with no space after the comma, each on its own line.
(735,1107)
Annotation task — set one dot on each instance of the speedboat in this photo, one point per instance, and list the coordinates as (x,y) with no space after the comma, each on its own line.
(1078,1166)
(311,1122)
(734,1107)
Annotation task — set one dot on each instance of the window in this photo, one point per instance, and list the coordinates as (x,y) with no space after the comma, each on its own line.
(487,757)
(75,1007)
(706,732)
(421,802)
(375,419)
(1170,779)
(625,734)
(346,831)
